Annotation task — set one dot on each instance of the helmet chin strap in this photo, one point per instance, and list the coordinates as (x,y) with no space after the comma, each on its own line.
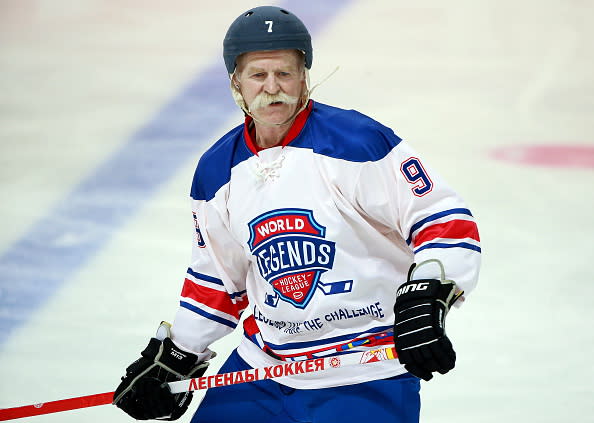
(239,100)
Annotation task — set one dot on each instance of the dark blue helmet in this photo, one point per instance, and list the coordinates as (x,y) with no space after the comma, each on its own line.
(266,28)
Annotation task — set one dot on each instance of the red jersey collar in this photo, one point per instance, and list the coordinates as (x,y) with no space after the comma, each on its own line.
(249,132)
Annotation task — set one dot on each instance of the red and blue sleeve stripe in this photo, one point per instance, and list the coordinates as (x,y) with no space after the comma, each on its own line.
(454,228)
(206,295)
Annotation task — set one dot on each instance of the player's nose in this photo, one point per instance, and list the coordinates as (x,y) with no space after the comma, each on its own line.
(271,85)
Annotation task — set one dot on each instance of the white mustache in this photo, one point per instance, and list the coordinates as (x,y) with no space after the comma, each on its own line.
(264,99)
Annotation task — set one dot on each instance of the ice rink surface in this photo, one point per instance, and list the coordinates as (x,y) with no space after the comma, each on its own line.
(105,108)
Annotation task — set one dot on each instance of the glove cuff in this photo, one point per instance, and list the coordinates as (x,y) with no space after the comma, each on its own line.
(152,349)
(176,360)
(417,290)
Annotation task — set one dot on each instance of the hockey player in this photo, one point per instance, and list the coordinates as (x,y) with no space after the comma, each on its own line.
(333,236)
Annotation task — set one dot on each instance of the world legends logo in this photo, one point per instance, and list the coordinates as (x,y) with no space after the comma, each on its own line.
(292,253)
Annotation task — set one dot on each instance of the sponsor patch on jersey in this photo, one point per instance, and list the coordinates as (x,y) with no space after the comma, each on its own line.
(378,355)
(292,252)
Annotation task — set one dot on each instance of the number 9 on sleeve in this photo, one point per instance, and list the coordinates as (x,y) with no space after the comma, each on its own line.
(415,174)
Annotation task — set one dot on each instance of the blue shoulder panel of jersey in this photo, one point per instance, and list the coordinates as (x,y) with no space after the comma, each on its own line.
(330,131)
(214,168)
(345,134)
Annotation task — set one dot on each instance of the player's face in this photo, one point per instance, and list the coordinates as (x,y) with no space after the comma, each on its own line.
(271,83)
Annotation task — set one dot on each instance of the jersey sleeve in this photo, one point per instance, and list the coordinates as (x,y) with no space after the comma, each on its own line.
(401,192)
(213,296)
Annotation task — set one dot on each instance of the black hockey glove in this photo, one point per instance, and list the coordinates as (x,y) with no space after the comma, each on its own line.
(143,392)
(419,331)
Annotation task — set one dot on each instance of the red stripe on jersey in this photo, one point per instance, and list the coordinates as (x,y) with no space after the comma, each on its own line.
(251,329)
(219,300)
(454,229)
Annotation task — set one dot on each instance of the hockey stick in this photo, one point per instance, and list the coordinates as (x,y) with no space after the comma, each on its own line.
(212,381)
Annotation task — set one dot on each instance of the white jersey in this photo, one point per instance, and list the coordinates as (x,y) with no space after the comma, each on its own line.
(313,238)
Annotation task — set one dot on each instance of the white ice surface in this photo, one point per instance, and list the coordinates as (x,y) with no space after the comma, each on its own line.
(456,79)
